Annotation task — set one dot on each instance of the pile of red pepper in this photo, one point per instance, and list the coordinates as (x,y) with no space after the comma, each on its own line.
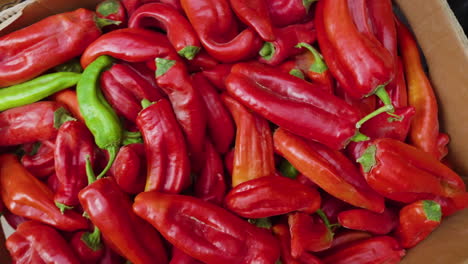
(220,131)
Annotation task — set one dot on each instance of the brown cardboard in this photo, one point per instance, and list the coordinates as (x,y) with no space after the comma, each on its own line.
(446,50)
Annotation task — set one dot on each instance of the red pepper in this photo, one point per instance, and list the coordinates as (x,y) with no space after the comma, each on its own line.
(26,196)
(111,257)
(284,46)
(288,12)
(417,221)
(308,233)
(41,164)
(74,145)
(202,61)
(205,231)
(365,220)
(130,236)
(124,88)
(380,249)
(424,131)
(253,152)
(28,124)
(217,30)
(229,161)
(179,31)
(34,242)
(254,13)
(132,5)
(332,206)
(129,168)
(83,251)
(271,195)
(210,185)
(219,121)
(69,100)
(329,169)
(113,10)
(348,237)
(217,75)
(179,257)
(66,34)
(396,170)
(365,105)
(398,91)
(168,166)
(386,126)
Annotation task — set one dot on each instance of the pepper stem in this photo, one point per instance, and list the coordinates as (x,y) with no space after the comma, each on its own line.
(189,52)
(267,51)
(307,4)
(63,207)
(383,95)
(319,65)
(432,210)
(145,103)
(89,171)
(378,111)
(358,137)
(367,159)
(288,170)
(102,22)
(93,240)
(112,154)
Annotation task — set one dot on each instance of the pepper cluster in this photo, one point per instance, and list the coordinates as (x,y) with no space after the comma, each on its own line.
(220,131)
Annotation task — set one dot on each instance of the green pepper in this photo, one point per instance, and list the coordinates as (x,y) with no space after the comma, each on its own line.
(36,89)
(99,116)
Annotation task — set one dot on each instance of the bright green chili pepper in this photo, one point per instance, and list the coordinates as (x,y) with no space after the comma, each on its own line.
(99,116)
(36,89)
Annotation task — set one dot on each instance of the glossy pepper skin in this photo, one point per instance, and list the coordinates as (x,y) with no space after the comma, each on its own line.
(34,242)
(271,195)
(253,151)
(26,196)
(288,12)
(424,131)
(254,13)
(278,96)
(73,146)
(168,165)
(387,165)
(365,220)
(28,124)
(205,231)
(179,31)
(23,51)
(417,220)
(308,233)
(129,168)
(131,237)
(217,30)
(41,165)
(329,169)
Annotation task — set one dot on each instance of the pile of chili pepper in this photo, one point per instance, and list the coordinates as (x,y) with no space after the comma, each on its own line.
(220,131)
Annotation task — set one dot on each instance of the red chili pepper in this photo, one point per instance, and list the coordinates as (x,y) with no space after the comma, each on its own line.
(68,99)
(365,220)
(254,13)
(217,30)
(41,164)
(308,233)
(83,251)
(34,242)
(329,169)
(129,168)
(386,126)
(253,152)
(380,249)
(67,34)
(284,46)
(396,170)
(168,166)
(26,196)
(113,10)
(203,61)
(179,257)
(210,185)
(217,75)
(288,12)
(219,121)
(271,195)
(27,124)
(205,231)
(179,31)
(347,237)
(424,131)
(130,236)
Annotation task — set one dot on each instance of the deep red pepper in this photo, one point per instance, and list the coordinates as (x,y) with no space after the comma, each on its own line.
(365,220)
(41,164)
(365,105)
(110,256)
(132,5)
(397,90)
(288,12)
(113,10)
(131,237)
(129,168)
(179,257)
(83,251)
(26,196)
(348,236)
(308,233)
(254,13)
(332,206)
(217,75)
(67,34)
(217,30)
(219,121)
(203,61)
(386,126)
(28,124)
(271,195)
(229,161)
(205,231)
(168,166)
(34,242)
(179,31)
(73,146)
(253,152)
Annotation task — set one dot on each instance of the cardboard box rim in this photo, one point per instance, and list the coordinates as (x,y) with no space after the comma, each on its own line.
(445,47)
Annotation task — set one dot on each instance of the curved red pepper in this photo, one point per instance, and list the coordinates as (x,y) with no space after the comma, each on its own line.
(131,237)
(205,231)
(168,166)
(113,10)
(308,233)
(365,220)
(84,253)
(41,164)
(217,75)
(288,12)
(26,196)
(34,242)
(271,195)
(129,168)
(254,13)
(219,121)
(22,52)
(179,31)
(217,30)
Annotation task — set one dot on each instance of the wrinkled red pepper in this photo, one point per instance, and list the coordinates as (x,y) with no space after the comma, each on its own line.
(254,13)
(288,12)
(129,168)
(41,164)
(205,231)
(168,166)
(26,196)
(308,233)
(365,220)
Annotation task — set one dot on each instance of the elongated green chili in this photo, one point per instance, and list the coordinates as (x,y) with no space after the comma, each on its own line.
(36,89)
(99,116)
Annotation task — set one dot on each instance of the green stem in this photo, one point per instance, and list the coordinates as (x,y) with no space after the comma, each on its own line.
(383,95)
(324,217)
(359,137)
(267,51)
(102,22)
(189,52)
(378,111)
(112,154)
(307,4)
(89,171)
(63,207)
(319,65)
(93,240)
(145,103)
